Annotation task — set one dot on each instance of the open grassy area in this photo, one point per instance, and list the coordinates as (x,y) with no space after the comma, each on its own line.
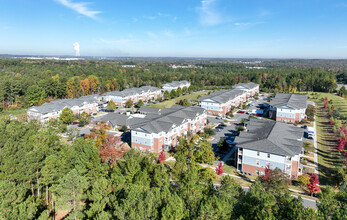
(326,139)
(171,102)
(20,113)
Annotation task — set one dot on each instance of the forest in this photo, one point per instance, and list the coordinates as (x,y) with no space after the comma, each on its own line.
(32,82)
(42,176)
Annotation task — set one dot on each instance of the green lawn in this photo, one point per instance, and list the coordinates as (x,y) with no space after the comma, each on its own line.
(17,113)
(326,139)
(171,102)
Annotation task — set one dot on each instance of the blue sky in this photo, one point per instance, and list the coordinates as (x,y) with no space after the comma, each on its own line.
(184,28)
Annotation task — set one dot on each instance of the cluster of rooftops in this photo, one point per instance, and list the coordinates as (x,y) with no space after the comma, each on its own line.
(156,120)
(133,91)
(226,95)
(58,105)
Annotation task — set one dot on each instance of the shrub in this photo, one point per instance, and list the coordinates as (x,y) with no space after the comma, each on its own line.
(209,131)
(123,128)
(240,128)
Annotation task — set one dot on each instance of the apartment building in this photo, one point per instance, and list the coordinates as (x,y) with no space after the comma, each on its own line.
(288,107)
(175,85)
(251,88)
(53,109)
(269,143)
(160,131)
(221,102)
(144,93)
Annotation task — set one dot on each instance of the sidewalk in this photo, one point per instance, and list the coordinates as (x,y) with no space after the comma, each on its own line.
(315,156)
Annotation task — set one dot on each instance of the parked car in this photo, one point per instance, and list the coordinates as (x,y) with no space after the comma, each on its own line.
(219,117)
(240,111)
(222,125)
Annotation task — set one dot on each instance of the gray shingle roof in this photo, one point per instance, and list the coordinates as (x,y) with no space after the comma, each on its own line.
(249,85)
(223,96)
(168,118)
(58,105)
(133,91)
(291,100)
(271,137)
(176,83)
(147,110)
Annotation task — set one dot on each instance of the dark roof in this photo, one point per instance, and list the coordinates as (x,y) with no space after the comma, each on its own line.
(115,119)
(271,137)
(249,85)
(291,100)
(147,110)
(223,96)
(168,118)
(58,105)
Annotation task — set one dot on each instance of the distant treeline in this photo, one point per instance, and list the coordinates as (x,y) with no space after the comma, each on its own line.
(28,82)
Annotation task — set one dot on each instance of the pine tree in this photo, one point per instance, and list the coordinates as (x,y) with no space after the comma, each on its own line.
(70,193)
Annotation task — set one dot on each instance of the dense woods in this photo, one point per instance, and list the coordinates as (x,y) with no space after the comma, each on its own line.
(29,82)
(40,175)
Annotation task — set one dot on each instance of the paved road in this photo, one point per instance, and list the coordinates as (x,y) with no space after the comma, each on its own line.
(306,202)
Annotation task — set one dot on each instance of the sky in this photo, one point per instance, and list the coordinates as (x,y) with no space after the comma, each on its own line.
(175,28)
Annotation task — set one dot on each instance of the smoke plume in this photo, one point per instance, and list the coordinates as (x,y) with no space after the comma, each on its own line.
(76,47)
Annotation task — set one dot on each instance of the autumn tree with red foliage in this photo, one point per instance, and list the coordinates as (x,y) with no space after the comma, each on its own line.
(112,150)
(219,169)
(313,185)
(326,102)
(341,142)
(162,157)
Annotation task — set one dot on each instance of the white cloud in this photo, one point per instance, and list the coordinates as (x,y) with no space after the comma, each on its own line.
(151,34)
(116,42)
(150,17)
(208,14)
(168,33)
(80,8)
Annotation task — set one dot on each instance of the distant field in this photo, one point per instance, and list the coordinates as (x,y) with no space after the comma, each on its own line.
(326,139)
(171,102)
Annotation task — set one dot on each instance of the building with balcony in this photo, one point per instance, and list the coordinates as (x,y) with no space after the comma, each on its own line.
(250,88)
(53,109)
(288,107)
(269,143)
(159,131)
(144,93)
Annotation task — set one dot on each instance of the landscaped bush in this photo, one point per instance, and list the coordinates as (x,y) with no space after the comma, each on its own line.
(209,131)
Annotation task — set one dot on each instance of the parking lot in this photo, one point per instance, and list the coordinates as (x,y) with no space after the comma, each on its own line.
(229,131)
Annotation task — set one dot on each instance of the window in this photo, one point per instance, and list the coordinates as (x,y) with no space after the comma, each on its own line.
(268,155)
(258,163)
(258,153)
